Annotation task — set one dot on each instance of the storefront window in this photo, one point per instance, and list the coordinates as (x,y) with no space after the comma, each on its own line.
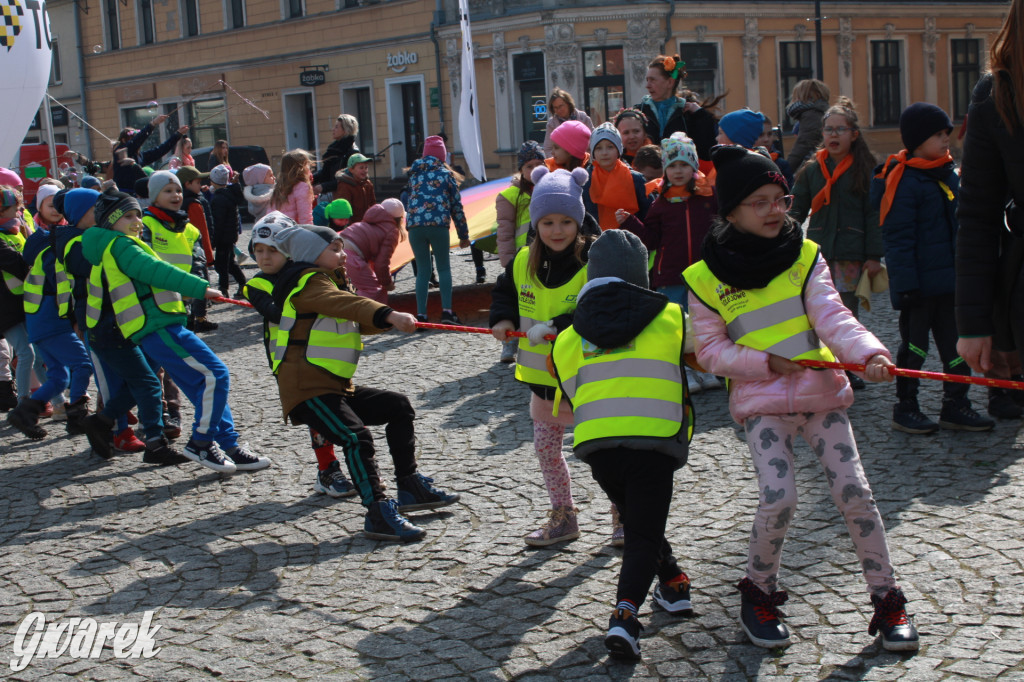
(603,83)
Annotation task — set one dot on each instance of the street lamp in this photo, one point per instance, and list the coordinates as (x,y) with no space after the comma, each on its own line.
(817,38)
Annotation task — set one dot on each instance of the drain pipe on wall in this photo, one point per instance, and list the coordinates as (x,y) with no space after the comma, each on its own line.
(668,28)
(438,19)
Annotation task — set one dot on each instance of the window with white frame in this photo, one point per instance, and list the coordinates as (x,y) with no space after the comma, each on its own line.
(795,64)
(358,101)
(886,82)
(702,67)
(294,9)
(112,25)
(190,17)
(147,23)
(236,13)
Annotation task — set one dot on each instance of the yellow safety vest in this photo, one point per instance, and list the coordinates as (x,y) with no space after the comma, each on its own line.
(334,343)
(124,297)
(65,280)
(30,222)
(514,196)
(537,305)
(263,284)
(17,242)
(174,248)
(771,319)
(33,288)
(633,396)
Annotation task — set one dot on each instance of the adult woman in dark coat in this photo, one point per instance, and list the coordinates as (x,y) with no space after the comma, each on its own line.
(128,161)
(335,159)
(668,113)
(989,259)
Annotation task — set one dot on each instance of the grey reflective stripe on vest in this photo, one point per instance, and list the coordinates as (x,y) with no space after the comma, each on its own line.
(12,282)
(522,229)
(762,318)
(37,281)
(533,360)
(175,258)
(795,345)
(640,368)
(349,355)
(332,325)
(117,293)
(670,410)
(162,297)
(129,314)
(526,322)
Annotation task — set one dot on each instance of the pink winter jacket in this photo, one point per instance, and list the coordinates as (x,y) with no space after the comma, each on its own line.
(757,390)
(299,204)
(376,237)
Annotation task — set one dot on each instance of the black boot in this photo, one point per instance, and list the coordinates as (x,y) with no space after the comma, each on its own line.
(893,623)
(1001,404)
(908,418)
(958,415)
(25,418)
(76,413)
(159,451)
(8,396)
(99,430)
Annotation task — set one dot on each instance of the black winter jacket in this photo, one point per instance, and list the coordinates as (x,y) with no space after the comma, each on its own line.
(699,125)
(991,174)
(12,312)
(335,159)
(226,223)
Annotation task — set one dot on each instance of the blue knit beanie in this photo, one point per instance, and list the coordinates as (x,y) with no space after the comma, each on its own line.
(77,203)
(743,127)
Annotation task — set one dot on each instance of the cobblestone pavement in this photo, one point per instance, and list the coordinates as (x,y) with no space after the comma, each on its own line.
(255,576)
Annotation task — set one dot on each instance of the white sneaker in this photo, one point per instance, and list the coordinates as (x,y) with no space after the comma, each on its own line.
(692,382)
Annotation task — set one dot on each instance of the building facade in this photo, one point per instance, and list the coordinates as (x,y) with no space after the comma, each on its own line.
(275,73)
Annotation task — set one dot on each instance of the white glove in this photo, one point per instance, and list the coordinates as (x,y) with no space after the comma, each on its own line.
(537,332)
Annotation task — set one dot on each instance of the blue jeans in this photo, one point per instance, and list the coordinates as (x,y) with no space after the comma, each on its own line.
(201,375)
(17,337)
(125,380)
(423,240)
(67,364)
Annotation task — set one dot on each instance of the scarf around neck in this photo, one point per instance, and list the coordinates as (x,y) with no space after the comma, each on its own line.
(893,173)
(824,196)
(747,261)
(612,190)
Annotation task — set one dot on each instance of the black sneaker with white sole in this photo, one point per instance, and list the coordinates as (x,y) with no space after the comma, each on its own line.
(674,598)
(623,638)
(760,617)
(159,451)
(247,460)
(209,455)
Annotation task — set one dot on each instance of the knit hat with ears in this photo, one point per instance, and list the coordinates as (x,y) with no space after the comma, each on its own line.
(434,146)
(558,192)
(920,121)
(742,172)
(530,150)
(605,131)
(573,137)
(679,147)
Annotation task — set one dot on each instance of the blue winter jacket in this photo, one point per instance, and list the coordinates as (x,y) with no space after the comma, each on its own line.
(434,198)
(919,232)
(45,322)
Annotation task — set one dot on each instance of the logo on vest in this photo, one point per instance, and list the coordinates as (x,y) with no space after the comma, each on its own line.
(526,296)
(591,351)
(728,295)
(796,275)
(159,239)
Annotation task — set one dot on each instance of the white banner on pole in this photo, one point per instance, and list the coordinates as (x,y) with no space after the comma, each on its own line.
(469,118)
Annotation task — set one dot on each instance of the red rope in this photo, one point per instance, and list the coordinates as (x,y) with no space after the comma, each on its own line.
(917,374)
(473,330)
(222,299)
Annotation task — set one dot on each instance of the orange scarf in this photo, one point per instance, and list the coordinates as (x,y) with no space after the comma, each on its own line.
(703,189)
(612,190)
(553,165)
(895,174)
(824,197)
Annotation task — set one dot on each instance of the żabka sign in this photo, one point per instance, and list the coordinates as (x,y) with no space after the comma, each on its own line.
(399,62)
(312,78)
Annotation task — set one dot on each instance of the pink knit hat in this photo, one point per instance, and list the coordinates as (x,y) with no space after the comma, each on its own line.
(573,137)
(434,146)
(393,207)
(10,178)
(256,174)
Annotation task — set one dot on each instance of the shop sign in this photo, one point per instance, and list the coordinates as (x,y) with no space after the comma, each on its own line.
(312,78)
(399,62)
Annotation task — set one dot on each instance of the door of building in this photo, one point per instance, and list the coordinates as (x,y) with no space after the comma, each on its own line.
(412,120)
(299,121)
(528,72)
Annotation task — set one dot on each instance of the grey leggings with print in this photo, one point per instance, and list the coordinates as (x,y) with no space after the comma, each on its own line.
(770,439)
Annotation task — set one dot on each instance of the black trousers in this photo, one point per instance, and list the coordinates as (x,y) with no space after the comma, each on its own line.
(342,419)
(226,265)
(640,485)
(934,314)
(197,308)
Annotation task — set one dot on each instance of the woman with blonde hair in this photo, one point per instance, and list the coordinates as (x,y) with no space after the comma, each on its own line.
(807,105)
(562,108)
(335,158)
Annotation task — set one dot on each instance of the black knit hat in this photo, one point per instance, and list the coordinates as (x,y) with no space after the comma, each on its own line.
(111,207)
(740,173)
(920,121)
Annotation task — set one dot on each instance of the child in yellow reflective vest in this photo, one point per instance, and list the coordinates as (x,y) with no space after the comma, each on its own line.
(762,298)
(623,373)
(315,355)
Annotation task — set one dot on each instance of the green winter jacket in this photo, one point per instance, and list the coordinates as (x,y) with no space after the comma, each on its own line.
(846,229)
(145,272)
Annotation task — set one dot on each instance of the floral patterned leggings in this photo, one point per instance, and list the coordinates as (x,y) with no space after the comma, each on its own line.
(770,439)
(548,431)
